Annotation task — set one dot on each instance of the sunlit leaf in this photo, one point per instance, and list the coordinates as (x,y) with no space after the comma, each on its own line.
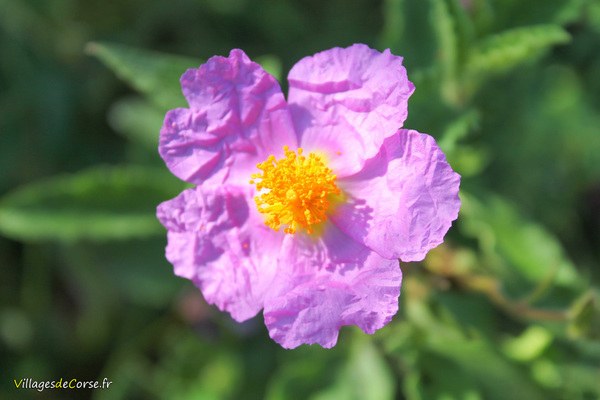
(529,345)
(271,64)
(393,22)
(154,74)
(303,377)
(464,27)
(459,129)
(491,373)
(527,246)
(467,160)
(365,376)
(505,50)
(520,13)
(138,120)
(546,373)
(454,364)
(445,27)
(101,203)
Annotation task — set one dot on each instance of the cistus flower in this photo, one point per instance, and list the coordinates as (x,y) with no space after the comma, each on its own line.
(303,207)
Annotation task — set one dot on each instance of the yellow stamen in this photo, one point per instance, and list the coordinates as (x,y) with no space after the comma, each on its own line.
(294,191)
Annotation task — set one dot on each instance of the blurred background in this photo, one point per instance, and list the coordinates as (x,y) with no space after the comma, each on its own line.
(507,308)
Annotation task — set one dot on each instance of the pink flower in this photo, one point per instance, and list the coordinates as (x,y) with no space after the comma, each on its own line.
(303,207)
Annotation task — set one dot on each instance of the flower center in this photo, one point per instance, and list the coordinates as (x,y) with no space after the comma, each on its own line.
(295,190)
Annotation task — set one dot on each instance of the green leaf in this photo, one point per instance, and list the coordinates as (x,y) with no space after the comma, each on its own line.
(510,48)
(457,361)
(445,380)
(465,29)
(100,203)
(477,361)
(529,345)
(458,129)
(307,371)
(154,74)
(316,374)
(546,374)
(393,25)
(138,120)
(135,270)
(534,252)
(580,380)
(467,160)
(445,28)
(271,64)
(526,13)
(594,15)
(584,316)
(454,31)
(365,376)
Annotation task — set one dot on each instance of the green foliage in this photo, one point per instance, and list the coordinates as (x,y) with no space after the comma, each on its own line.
(154,74)
(507,307)
(361,374)
(364,375)
(585,316)
(98,204)
(505,50)
(529,248)
(529,345)
(394,21)
(138,120)
(454,34)
(465,159)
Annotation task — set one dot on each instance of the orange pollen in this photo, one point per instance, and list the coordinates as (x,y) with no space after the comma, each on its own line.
(294,191)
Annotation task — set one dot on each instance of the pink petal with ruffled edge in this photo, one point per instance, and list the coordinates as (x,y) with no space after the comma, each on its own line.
(216,239)
(324,284)
(237,117)
(346,101)
(404,201)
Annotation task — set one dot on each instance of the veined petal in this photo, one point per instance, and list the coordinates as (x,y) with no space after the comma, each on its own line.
(216,240)
(237,117)
(415,201)
(324,284)
(346,101)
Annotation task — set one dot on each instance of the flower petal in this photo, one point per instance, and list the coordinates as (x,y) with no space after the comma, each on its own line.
(325,284)
(346,101)
(237,117)
(415,203)
(216,240)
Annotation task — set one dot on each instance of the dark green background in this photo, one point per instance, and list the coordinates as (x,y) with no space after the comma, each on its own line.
(506,308)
